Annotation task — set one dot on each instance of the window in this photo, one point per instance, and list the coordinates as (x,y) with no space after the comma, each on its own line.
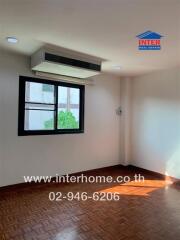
(50,107)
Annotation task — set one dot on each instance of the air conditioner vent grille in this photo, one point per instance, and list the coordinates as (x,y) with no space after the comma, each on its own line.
(72,62)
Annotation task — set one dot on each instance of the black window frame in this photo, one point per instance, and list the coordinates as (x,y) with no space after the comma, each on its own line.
(56,84)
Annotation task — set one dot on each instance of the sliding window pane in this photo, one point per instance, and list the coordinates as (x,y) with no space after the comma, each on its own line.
(39,120)
(39,92)
(68,108)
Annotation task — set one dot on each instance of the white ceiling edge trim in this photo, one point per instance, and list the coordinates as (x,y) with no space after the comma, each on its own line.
(50,76)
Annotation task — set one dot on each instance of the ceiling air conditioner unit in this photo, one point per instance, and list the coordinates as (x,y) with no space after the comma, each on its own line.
(65,64)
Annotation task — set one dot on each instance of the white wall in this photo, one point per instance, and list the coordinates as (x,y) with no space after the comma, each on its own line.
(152,102)
(48,155)
(155,125)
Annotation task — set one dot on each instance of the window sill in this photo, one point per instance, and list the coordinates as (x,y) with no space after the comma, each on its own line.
(49,132)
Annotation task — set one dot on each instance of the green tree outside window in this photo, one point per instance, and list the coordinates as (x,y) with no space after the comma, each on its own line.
(66,120)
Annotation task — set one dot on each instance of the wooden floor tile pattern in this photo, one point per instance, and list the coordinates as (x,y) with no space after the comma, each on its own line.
(148,211)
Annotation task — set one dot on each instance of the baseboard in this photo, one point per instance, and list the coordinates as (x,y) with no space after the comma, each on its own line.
(86,172)
(93,172)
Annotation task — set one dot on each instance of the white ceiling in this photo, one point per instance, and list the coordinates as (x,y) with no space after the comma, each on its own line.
(103,28)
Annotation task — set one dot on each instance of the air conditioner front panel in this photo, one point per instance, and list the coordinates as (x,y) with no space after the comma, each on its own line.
(65,70)
(62,64)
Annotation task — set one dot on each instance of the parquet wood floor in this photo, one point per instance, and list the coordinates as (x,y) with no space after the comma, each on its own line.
(145,211)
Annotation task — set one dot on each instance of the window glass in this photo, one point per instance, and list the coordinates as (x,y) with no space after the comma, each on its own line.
(39,120)
(39,92)
(68,108)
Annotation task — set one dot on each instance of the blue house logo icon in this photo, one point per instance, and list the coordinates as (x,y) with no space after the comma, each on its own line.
(149,41)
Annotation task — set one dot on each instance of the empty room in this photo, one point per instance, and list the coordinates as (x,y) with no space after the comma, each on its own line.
(89,120)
